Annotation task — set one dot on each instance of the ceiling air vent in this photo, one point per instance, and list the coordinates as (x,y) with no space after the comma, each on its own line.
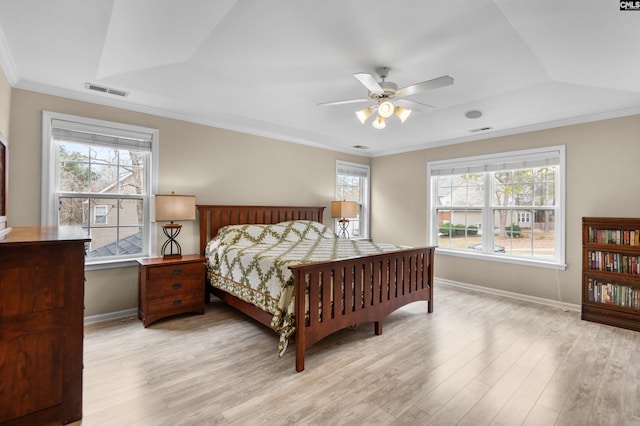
(103,89)
(480,129)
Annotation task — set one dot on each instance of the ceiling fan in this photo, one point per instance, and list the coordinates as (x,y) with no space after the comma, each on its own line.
(387,97)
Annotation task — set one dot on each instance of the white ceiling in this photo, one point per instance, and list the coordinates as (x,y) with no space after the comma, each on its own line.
(262,67)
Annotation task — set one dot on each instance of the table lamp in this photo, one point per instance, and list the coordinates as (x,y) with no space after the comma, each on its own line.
(344,210)
(170,208)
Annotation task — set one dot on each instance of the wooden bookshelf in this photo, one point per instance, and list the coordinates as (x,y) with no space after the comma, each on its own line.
(611,271)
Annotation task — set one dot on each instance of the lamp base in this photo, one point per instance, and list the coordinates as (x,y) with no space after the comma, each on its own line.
(343,232)
(172,256)
(171,231)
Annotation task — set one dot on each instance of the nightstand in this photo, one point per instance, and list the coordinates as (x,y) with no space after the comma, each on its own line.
(170,286)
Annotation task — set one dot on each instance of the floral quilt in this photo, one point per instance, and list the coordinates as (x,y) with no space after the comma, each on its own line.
(251,262)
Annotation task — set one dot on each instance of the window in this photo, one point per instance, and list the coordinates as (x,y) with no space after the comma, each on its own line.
(352,184)
(100,215)
(98,175)
(507,206)
(524,217)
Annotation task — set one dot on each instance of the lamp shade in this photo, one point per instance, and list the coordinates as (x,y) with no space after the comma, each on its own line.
(175,207)
(344,209)
(403,113)
(363,114)
(385,109)
(379,123)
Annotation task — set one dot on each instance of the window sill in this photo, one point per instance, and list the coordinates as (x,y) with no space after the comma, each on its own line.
(110,264)
(538,263)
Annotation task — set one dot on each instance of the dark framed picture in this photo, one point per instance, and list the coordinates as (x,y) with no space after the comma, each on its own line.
(4,228)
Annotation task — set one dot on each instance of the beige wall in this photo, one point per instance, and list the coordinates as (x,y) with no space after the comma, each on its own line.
(602,177)
(217,166)
(5,104)
(226,167)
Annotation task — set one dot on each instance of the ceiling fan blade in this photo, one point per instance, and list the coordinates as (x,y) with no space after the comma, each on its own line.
(350,101)
(413,105)
(369,82)
(425,85)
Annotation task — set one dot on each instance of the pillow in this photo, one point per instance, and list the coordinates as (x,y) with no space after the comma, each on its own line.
(245,235)
(250,234)
(297,230)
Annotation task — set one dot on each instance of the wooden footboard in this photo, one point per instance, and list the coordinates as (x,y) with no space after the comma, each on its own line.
(357,290)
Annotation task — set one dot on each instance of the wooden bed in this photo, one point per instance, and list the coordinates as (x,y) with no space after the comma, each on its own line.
(365,289)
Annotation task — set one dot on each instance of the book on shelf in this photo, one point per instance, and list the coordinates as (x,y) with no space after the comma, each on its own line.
(612,293)
(614,236)
(598,260)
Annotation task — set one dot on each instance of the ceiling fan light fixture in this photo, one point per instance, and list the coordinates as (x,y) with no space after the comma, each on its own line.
(385,109)
(383,94)
(363,114)
(379,123)
(403,113)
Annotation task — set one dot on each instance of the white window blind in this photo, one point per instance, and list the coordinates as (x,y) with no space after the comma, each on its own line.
(492,163)
(100,135)
(352,170)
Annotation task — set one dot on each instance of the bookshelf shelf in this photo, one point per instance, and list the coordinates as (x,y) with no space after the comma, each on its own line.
(611,271)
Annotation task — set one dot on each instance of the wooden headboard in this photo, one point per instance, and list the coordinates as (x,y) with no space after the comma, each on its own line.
(213,218)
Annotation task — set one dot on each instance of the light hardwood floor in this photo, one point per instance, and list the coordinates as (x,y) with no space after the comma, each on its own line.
(476,360)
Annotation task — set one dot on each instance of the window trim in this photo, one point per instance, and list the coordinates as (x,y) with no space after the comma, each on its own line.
(49,216)
(365,213)
(480,161)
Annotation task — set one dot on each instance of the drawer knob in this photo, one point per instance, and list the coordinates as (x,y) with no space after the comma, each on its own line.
(177,271)
(176,285)
(177,302)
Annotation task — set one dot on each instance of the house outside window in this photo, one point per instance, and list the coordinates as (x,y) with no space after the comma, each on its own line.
(352,184)
(507,206)
(99,176)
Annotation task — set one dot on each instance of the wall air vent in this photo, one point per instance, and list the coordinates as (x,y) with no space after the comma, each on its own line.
(108,90)
(480,129)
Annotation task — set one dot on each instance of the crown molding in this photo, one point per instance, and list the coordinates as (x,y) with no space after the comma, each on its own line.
(6,61)
(252,130)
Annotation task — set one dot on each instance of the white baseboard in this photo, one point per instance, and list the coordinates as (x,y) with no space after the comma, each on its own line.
(555,303)
(562,305)
(111,315)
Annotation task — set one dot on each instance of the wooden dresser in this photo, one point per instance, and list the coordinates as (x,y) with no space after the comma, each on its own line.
(41,325)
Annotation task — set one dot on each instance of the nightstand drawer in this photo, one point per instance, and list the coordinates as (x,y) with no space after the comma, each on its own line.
(184,272)
(179,284)
(176,304)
